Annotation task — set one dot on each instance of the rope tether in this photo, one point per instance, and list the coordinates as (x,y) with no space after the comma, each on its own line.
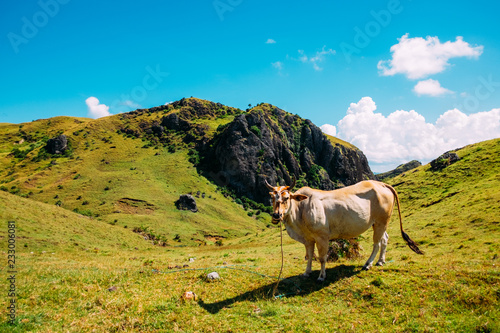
(281,269)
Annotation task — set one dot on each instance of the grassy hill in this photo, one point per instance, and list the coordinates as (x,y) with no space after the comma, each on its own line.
(118,178)
(458,207)
(48,228)
(82,272)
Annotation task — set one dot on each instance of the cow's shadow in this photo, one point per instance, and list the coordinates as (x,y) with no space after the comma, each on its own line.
(288,287)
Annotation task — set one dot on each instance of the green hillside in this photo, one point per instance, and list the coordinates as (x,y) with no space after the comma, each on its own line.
(118,178)
(47,228)
(456,208)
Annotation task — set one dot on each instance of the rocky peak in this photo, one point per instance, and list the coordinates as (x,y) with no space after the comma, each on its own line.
(270,144)
(263,143)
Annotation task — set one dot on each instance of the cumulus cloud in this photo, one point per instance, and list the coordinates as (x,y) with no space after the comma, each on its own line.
(270,41)
(329,129)
(430,87)
(317,58)
(418,58)
(95,109)
(402,136)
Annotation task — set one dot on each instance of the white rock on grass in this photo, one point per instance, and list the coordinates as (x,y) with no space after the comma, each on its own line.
(213,276)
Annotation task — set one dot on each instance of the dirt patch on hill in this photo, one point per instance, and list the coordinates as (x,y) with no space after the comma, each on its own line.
(134,206)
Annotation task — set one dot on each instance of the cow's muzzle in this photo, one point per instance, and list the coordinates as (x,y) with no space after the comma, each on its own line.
(276,218)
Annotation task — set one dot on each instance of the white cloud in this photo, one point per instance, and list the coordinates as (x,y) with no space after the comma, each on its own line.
(270,41)
(365,105)
(402,136)
(430,87)
(96,110)
(278,65)
(418,57)
(317,58)
(329,129)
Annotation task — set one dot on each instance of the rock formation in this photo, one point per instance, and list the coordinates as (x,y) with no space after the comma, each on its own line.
(57,145)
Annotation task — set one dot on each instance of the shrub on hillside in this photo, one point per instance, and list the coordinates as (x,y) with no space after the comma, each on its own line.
(256,131)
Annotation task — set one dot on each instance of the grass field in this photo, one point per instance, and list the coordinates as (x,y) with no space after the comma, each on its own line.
(78,273)
(112,288)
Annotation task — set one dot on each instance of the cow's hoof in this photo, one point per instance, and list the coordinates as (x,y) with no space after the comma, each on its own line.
(380,263)
(305,275)
(320,280)
(365,268)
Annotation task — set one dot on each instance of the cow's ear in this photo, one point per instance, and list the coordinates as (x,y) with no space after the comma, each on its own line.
(299,197)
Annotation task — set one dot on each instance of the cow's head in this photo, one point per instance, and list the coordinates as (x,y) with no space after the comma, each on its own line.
(282,197)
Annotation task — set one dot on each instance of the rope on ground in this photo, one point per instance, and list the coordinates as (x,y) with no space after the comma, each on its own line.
(282,259)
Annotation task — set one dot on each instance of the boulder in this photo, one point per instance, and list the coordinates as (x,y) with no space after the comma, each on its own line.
(213,276)
(157,129)
(174,122)
(57,145)
(186,202)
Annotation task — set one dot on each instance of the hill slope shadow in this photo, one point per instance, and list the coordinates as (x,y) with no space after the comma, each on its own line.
(288,287)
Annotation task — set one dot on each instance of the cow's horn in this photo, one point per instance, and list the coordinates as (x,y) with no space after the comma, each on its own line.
(268,186)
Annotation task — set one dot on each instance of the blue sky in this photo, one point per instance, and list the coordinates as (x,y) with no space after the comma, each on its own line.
(313,59)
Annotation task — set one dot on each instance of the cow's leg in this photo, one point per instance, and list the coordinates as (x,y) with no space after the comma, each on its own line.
(383,247)
(378,234)
(310,254)
(322,254)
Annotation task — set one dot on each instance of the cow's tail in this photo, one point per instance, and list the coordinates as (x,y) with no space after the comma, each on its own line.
(405,236)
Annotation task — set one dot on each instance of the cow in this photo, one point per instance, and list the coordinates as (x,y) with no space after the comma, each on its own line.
(314,217)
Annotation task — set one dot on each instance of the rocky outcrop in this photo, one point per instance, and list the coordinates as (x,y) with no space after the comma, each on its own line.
(270,144)
(444,160)
(186,202)
(173,122)
(57,145)
(399,170)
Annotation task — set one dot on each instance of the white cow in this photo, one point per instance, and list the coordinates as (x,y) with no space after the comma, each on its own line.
(314,217)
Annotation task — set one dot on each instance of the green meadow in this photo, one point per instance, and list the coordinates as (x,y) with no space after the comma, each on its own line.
(88,257)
